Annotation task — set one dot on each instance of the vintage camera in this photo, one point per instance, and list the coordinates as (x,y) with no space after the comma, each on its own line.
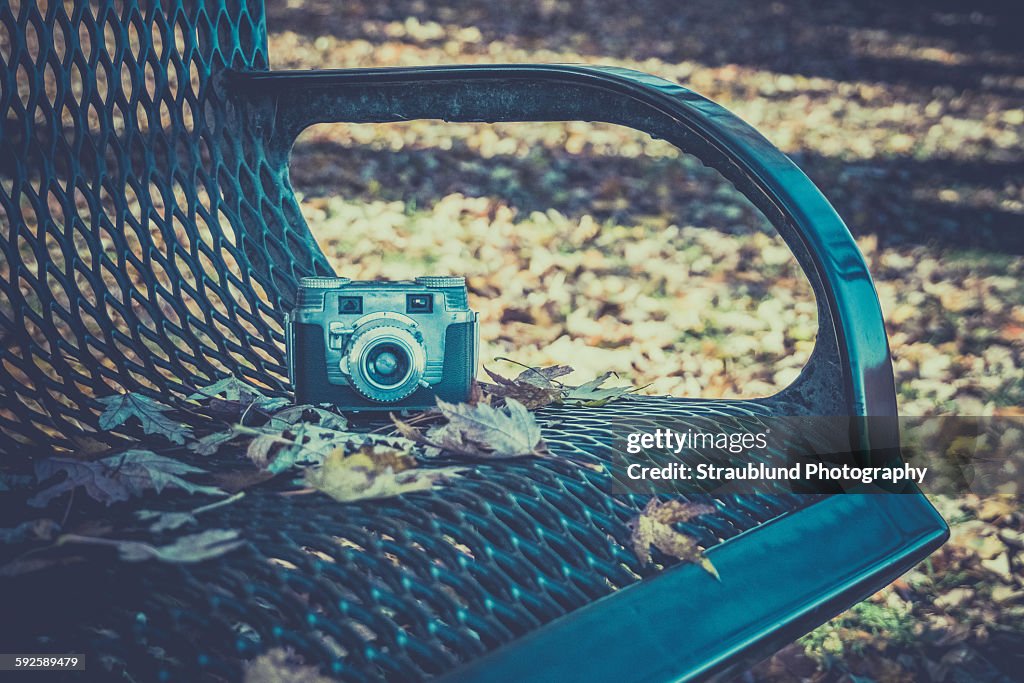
(365,345)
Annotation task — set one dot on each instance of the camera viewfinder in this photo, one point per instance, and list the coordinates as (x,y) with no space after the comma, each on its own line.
(419,303)
(350,304)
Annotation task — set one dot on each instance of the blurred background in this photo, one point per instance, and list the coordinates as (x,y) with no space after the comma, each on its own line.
(595,246)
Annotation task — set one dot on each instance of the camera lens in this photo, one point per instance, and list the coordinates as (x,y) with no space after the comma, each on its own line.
(385,362)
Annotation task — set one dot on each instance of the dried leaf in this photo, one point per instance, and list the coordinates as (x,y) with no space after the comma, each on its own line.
(185,550)
(140,470)
(653,526)
(373,472)
(95,477)
(533,387)
(230,389)
(304,413)
(120,408)
(591,395)
(490,432)
(278,665)
(209,444)
(117,477)
(165,521)
(482,431)
(170,520)
(308,444)
(272,403)
(32,530)
(299,444)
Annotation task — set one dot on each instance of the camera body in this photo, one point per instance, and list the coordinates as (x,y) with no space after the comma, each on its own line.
(376,346)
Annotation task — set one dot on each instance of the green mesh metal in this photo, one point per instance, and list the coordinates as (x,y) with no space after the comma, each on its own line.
(150,243)
(145,238)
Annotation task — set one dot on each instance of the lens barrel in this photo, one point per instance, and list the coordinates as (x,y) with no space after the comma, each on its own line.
(385,362)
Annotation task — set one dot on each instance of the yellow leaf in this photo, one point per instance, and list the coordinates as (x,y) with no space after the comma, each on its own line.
(373,472)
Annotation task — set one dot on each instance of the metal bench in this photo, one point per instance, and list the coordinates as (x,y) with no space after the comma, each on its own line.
(151,243)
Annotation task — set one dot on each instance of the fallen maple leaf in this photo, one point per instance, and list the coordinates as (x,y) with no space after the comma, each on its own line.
(534,387)
(93,476)
(591,395)
(233,390)
(120,408)
(372,472)
(277,449)
(653,526)
(209,444)
(33,530)
(117,477)
(162,520)
(482,431)
(277,665)
(303,413)
(140,470)
(228,388)
(189,549)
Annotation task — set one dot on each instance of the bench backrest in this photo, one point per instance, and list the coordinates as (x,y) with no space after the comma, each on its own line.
(145,235)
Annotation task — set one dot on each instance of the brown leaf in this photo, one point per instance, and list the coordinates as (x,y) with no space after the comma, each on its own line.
(150,413)
(306,413)
(189,549)
(209,444)
(116,478)
(239,480)
(533,387)
(592,395)
(278,665)
(482,431)
(371,472)
(86,447)
(653,526)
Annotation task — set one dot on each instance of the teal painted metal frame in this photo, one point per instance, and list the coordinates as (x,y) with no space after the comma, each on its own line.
(778,580)
(283,103)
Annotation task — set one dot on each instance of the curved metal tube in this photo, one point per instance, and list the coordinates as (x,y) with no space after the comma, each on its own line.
(281,104)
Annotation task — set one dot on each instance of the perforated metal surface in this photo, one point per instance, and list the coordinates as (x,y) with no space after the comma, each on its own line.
(401,589)
(150,243)
(144,235)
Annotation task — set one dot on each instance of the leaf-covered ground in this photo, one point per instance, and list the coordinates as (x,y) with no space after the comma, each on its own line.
(593,246)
